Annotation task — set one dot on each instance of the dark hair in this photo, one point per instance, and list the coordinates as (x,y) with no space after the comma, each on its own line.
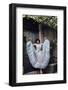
(37,40)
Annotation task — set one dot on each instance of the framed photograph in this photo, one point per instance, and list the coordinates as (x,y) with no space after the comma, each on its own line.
(37,44)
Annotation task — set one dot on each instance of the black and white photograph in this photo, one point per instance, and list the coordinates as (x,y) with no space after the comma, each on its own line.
(39,44)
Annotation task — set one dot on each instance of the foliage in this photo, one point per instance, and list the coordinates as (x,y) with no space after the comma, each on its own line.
(49,20)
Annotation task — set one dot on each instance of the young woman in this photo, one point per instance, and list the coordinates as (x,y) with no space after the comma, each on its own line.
(39,53)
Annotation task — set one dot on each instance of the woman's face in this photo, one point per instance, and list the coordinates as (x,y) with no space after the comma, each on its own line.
(38,41)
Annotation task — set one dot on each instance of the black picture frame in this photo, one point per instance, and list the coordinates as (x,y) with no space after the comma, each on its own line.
(12,43)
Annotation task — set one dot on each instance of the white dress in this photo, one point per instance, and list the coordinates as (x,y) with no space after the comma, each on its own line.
(38,52)
(39,58)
